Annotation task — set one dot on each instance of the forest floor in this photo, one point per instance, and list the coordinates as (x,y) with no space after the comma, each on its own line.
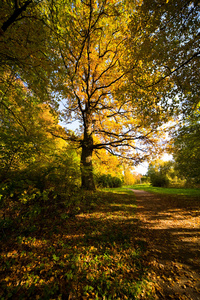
(115,247)
(171,227)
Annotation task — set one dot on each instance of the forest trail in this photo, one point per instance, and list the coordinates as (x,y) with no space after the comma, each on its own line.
(171,225)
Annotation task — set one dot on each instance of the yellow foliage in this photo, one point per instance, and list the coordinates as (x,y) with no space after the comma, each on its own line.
(131,178)
(105,163)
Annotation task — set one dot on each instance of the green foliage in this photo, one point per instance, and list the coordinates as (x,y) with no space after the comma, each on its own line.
(30,156)
(186,147)
(24,46)
(24,136)
(159,180)
(116,182)
(156,175)
(161,173)
(144,179)
(106,180)
(44,181)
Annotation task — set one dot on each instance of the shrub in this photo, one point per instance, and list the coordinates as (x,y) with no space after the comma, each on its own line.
(116,182)
(107,181)
(159,180)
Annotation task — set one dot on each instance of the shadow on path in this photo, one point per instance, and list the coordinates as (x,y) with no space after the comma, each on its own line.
(172,227)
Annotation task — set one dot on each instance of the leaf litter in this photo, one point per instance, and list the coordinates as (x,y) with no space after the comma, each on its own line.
(96,254)
(110,250)
(171,226)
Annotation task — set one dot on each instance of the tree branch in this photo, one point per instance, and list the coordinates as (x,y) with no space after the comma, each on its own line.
(174,71)
(18,10)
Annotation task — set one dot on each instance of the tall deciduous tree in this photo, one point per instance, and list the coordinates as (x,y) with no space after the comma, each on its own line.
(120,63)
(94,69)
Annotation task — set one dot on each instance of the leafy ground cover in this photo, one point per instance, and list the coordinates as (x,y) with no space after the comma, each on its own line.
(48,252)
(171,191)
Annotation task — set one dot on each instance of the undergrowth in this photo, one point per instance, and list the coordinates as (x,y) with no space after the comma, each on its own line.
(89,250)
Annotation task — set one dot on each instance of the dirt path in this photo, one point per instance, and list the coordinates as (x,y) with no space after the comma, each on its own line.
(172,228)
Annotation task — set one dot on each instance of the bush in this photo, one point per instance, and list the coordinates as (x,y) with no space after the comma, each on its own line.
(116,182)
(107,181)
(159,180)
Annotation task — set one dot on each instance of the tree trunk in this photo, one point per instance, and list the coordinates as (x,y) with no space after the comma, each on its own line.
(86,162)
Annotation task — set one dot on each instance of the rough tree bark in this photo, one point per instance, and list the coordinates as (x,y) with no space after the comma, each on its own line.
(86,158)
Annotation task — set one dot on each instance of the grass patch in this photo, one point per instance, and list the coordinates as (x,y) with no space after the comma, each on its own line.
(170,191)
(97,254)
(120,190)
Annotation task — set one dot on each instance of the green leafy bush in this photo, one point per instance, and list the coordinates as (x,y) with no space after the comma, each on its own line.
(161,173)
(159,180)
(108,181)
(116,182)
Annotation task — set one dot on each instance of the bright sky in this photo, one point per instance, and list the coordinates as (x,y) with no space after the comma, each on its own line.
(142,169)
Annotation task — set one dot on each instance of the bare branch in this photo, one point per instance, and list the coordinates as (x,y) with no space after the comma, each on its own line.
(122,142)
(108,85)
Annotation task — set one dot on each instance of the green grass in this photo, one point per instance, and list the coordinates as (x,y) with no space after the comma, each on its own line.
(98,254)
(120,190)
(171,191)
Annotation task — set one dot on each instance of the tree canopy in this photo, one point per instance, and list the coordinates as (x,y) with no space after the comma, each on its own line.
(119,60)
(25,50)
